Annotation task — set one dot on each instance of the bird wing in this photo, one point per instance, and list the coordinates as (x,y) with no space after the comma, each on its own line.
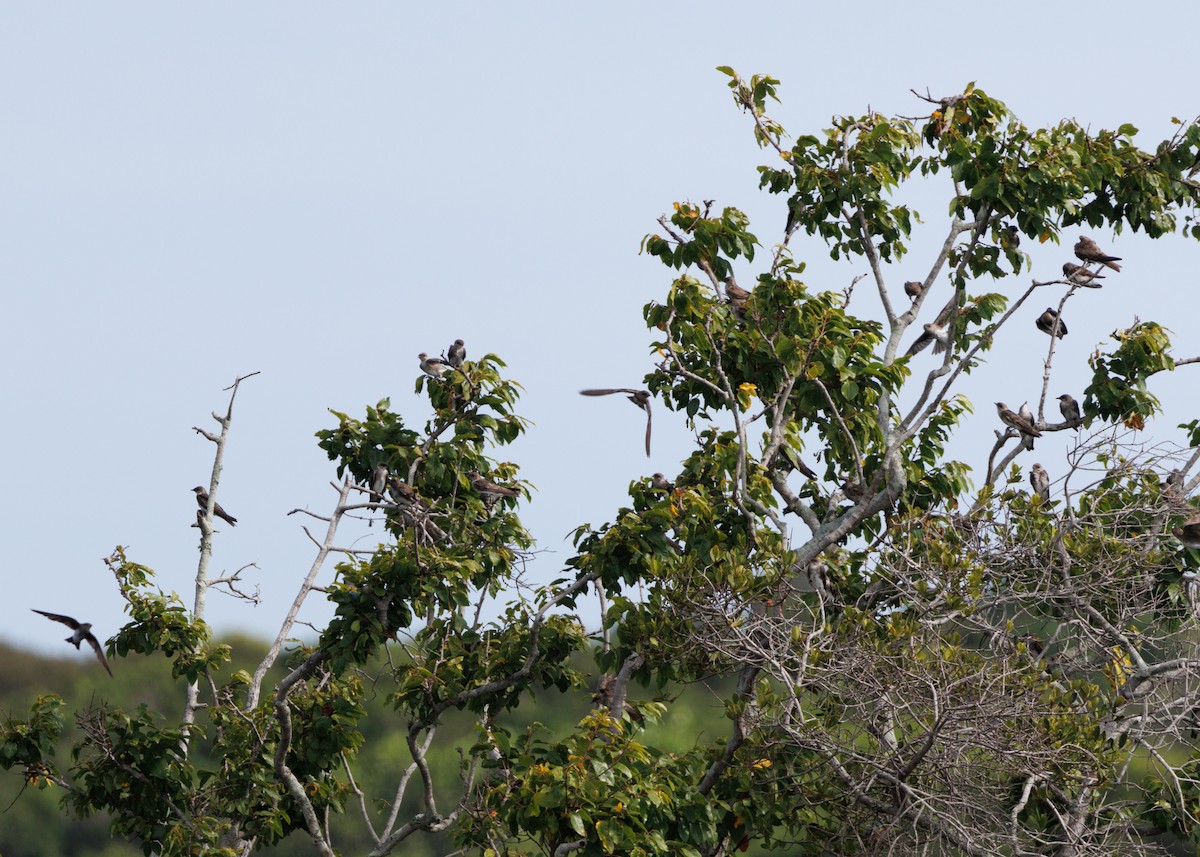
(58,617)
(95,644)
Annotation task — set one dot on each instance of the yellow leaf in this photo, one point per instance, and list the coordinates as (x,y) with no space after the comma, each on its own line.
(761,763)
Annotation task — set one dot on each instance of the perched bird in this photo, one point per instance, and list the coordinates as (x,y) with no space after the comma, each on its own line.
(82,631)
(490,490)
(914,288)
(1069,408)
(202,501)
(400,491)
(1081,276)
(434,367)
(853,489)
(1046,323)
(641,398)
(1026,415)
(456,353)
(788,459)
(660,483)
(379,481)
(1033,644)
(1040,480)
(1087,250)
(1189,533)
(1011,240)
(1012,418)
(738,297)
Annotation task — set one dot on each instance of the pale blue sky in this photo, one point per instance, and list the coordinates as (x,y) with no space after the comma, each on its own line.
(189,193)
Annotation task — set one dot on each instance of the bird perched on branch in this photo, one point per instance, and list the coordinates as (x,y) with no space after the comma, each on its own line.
(1012,418)
(641,398)
(456,354)
(1010,238)
(434,367)
(1047,321)
(490,491)
(914,288)
(1040,480)
(1189,533)
(202,500)
(1026,415)
(82,631)
(738,297)
(1081,276)
(1087,250)
(1069,408)
(661,483)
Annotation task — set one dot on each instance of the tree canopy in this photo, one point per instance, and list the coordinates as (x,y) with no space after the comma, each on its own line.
(915,654)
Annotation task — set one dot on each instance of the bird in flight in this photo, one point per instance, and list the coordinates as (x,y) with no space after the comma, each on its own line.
(641,398)
(82,631)
(1087,250)
(202,501)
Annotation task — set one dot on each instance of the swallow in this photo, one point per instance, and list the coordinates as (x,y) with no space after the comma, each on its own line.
(1040,480)
(789,460)
(914,288)
(434,367)
(1087,250)
(1012,418)
(1069,408)
(456,353)
(1046,323)
(1024,413)
(379,482)
(660,483)
(853,490)
(938,331)
(641,398)
(738,297)
(490,491)
(400,492)
(1081,276)
(82,631)
(1189,533)
(202,501)
(1011,240)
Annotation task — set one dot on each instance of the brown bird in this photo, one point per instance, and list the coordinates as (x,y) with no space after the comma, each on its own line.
(1046,323)
(202,501)
(914,288)
(379,481)
(788,459)
(1189,533)
(1012,418)
(490,491)
(1081,276)
(1087,250)
(83,631)
(1069,408)
(937,331)
(738,297)
(660,483)
(641,398)
(1040,480)
(456,353)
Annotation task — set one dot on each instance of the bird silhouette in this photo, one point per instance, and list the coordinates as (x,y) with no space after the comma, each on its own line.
(82,631)
(641,398)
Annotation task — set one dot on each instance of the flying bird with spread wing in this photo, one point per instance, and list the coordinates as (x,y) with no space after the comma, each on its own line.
(1050,322)
(202,501)
(937,331)
(1012,418)
(641,398)
(1087,250)
(82,631)
(1081,276)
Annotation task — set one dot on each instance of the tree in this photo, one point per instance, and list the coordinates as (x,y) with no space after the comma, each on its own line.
(912,665)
